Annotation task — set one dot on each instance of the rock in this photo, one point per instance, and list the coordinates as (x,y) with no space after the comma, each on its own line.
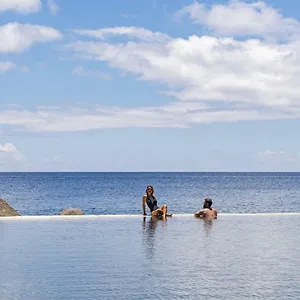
(71,211)
(6,210)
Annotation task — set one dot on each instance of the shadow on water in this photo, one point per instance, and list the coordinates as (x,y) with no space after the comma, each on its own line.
(149,229)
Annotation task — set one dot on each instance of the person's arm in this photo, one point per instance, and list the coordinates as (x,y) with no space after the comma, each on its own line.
(144,205)
(200,214)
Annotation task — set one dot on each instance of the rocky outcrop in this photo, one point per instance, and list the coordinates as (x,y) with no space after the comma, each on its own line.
(71,211)
(6,210)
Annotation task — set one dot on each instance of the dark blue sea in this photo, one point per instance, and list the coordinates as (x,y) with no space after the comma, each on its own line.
(121,193)
(250,252)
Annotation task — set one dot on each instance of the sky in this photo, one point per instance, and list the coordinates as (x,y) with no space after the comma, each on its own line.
(149,85)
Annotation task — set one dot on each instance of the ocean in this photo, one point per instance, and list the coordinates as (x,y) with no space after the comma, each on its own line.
(250,252)
(121,193)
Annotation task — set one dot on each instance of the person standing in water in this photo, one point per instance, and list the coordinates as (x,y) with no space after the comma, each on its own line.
(151,202)
(207,212)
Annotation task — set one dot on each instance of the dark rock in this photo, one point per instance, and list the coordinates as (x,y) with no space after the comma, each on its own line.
(71,211)
(6,210)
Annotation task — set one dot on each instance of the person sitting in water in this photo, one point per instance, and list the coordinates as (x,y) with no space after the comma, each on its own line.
(151,202)
(207,212)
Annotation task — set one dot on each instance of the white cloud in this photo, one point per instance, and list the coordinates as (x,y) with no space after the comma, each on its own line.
(133,32)
(278,156)
(53,7)
(221,71)
(25,69)
(272,153)
(20,6)
(44,107)
(84,117)
(240,18)
(80,71)
(6,66)
(9,150)
(15,37)
(127,15)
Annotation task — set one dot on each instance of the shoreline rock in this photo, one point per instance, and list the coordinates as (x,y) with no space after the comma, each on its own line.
(70,211)
(6,210)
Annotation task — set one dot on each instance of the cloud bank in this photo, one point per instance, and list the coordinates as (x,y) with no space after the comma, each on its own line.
(249,79)
(244,70)
(80,118)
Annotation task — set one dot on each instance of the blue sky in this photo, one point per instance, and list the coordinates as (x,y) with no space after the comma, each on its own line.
(149,85)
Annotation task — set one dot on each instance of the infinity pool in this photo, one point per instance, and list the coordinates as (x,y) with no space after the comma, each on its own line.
(131,257)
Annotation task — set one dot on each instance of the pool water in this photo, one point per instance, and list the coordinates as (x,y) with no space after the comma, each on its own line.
(131,257)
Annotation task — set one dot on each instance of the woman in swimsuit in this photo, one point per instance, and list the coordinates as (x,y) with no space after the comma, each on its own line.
(151,202)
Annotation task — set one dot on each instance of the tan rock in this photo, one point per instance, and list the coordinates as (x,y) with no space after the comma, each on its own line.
(71,211)
(6,210)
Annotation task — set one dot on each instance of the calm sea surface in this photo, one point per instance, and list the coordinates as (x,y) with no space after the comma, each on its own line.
(79,258)
(121,193)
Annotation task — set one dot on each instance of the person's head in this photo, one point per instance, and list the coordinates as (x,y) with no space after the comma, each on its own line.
(150,190)
(207,203)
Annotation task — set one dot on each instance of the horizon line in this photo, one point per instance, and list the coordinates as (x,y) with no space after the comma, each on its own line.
(150,172)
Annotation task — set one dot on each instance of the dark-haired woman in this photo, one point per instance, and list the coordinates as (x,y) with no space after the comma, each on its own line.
(151,202)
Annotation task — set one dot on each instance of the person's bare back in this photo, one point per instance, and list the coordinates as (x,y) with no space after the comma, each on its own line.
(207,212)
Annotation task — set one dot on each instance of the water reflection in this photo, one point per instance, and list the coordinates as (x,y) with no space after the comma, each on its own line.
(149,229)
(208,224)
